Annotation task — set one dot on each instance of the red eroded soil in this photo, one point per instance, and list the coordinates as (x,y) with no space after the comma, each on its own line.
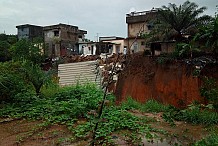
(170,83)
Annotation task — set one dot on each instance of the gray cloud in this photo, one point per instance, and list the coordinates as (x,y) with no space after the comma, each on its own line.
(96,16)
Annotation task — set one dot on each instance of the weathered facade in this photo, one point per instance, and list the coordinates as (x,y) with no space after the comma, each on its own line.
(137,25)
(29,32)
(118,43)
(95,48)
(62,39)
(87,48)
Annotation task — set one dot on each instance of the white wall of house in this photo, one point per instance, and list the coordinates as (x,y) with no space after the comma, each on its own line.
(118,45)
(87,48)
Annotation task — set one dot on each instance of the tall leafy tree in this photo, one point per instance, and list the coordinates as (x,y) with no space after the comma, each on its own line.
(209,35)
(4,51)
(26,50)
(5,43)
(174,21)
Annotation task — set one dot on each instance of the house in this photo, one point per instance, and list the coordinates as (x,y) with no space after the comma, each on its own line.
(29,32)
(62,39)
(87,48)
(137,25)
(95,48)
(118,43)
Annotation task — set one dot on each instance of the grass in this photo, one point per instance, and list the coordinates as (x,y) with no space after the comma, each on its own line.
(150,106)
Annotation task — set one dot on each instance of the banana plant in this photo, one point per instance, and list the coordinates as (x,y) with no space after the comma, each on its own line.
(188,48)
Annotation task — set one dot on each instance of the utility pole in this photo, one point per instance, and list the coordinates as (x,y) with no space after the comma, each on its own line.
(97,37)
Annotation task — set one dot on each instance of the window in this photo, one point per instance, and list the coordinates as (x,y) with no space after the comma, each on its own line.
(56,33)
(142,43)
(150,26)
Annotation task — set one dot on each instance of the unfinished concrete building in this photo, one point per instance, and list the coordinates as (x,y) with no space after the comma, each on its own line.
(29,32)
(138,24)
(62,39)
(118,43)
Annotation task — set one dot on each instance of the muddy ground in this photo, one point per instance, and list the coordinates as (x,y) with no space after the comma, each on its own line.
(26,133)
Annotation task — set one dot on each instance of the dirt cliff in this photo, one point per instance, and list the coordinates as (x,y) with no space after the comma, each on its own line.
(170,83)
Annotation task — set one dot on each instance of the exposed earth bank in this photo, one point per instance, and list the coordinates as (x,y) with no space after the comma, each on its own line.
(170,82)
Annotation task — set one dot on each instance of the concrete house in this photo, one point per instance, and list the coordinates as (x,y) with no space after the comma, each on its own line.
(138,23)
(62,39)
(87,48)
(118,43)
(95,48)
(29,32)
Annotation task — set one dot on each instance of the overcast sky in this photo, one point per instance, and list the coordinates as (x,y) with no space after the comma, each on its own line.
(105,17)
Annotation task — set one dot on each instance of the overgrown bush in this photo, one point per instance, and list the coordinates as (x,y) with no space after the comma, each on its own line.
(11,81)
(209,90)
(65,106)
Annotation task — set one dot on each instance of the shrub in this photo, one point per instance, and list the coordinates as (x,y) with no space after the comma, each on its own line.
(211,140)
(11,81)
(149,106)
(65,106)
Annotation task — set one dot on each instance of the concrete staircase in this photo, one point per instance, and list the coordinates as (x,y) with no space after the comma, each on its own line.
(81,72)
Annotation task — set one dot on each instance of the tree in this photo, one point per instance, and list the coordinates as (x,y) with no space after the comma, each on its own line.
(25,50)
(209,35)
(5,43)
(11,80)
(178,20)
(35,75)
(4,51)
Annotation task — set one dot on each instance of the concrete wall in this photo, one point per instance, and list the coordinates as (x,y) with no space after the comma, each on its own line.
(135,28)
(23,33)
(118,45)
(61,39)
(168,47)
(137,45)
(87,48)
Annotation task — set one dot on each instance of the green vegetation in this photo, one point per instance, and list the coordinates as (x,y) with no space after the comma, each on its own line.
(110,122)
(149,106)
(211,140)
(209,90)
(65,106)
(173,21)
(6,41)
(77,107)
(26,50)
(195,113)
(28,92)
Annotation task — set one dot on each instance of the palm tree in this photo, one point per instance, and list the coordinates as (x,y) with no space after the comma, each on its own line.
(178,20)
(36,76)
